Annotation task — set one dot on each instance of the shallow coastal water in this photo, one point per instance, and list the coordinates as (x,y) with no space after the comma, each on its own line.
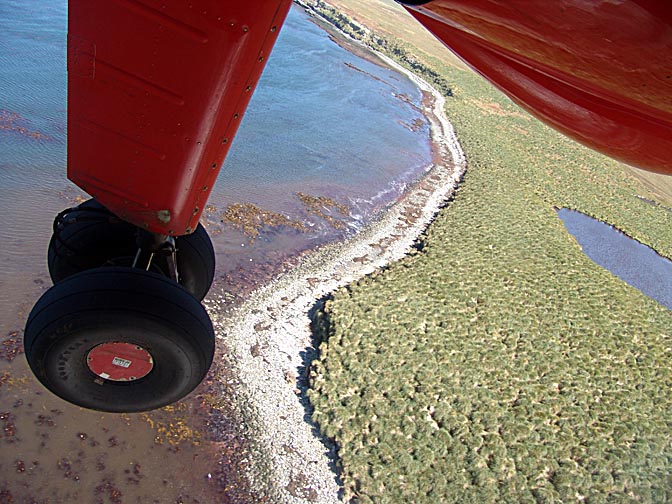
(324,123)
(352,134)
(633,262)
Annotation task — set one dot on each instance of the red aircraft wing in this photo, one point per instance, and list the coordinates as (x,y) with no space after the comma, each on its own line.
(598,71)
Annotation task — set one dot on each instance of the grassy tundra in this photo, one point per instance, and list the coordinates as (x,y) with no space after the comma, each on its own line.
(498,363)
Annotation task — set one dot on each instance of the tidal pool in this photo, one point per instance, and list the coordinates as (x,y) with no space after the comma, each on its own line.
(635,263)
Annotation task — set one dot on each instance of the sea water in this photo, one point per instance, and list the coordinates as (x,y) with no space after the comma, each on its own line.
(322,122)
(326,120)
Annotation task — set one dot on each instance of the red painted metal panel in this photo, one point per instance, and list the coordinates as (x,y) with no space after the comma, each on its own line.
(156,92)
(598,71)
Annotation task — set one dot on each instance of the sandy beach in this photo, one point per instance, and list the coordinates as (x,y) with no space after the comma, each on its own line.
(269,339)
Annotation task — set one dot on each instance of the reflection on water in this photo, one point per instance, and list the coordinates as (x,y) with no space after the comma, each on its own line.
(636,264)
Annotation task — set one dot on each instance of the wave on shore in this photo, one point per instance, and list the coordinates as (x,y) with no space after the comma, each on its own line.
(269,340)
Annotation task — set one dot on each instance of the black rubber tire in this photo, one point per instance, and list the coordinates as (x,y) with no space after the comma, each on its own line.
(90,236)
(117,304)
(195,262)
(86,237)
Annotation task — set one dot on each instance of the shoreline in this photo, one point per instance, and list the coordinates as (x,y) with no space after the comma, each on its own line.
(269,339)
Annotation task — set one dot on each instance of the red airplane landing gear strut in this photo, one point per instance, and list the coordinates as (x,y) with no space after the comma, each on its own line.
(156,92)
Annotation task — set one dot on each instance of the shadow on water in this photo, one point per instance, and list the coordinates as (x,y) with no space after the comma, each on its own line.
(630,260)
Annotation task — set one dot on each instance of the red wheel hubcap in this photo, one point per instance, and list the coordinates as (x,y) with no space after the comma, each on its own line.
(119,361)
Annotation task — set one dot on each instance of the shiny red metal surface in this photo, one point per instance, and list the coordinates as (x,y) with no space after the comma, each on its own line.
(118,361)
(599,71)
(156,91)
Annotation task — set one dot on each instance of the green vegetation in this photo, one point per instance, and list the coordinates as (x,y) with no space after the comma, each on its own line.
(498,363)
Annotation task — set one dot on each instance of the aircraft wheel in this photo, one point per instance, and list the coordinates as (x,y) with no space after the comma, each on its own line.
(119,339)
(195,262)
(90,236)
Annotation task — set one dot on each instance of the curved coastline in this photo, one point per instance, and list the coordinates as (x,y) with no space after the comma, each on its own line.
(269,338)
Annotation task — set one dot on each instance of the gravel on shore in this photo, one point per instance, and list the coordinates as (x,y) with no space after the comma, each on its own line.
(269,337)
